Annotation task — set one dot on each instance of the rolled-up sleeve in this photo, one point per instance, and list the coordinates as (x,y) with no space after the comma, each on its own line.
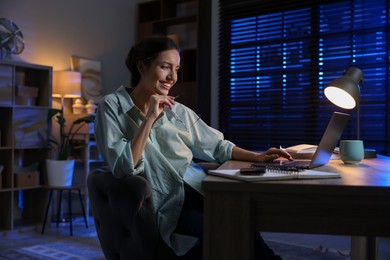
(111,139)
(212,146)
(205,142)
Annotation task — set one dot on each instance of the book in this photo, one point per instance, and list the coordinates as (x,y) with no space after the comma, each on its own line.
(306,151)
(271,175)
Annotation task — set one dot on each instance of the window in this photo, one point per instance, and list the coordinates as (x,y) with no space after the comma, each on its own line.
(276,58)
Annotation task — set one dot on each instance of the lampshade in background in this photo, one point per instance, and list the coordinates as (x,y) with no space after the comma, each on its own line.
(345,92)
(66,84)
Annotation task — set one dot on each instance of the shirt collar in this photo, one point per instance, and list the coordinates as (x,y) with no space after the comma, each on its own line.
(124,99)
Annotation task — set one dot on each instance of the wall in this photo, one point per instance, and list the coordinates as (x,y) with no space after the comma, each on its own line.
(93,29)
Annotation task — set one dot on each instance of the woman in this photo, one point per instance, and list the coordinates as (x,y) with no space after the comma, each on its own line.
(143,130)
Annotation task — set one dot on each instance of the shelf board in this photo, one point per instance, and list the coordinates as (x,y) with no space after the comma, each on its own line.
(27,188)
(5,147)
(29,107)
(176,20)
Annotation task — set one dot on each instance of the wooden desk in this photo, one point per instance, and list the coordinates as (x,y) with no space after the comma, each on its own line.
(358,204)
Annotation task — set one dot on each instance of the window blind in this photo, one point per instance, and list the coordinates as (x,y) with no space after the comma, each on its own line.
(276,58)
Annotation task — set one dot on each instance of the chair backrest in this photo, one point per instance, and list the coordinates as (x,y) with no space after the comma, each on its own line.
(124,215)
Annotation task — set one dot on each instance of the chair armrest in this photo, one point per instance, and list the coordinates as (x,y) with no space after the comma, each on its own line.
(206,166)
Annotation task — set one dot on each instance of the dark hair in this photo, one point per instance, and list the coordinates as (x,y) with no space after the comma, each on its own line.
(146,51)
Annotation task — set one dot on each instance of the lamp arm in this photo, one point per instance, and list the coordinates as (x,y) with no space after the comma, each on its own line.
(358,119)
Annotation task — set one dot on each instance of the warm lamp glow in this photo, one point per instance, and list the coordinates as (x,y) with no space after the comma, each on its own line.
(340,97)
(345,92)
(66,84)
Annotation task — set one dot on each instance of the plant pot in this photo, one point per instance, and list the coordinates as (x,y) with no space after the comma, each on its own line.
(59,173)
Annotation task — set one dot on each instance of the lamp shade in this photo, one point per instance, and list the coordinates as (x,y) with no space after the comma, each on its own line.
(344,91)
(66,84)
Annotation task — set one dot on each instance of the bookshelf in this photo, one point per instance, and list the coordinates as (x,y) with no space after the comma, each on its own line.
(25,98)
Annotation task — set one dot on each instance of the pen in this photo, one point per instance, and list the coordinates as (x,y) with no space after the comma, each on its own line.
(284,150)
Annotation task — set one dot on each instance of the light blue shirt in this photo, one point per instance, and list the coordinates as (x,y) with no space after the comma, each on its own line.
(167,161)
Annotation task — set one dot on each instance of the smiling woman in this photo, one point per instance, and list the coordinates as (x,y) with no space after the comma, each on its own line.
(144,131)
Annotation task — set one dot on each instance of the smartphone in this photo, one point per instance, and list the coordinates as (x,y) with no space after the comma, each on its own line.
(252,171)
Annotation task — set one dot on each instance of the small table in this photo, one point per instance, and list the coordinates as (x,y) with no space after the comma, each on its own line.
(357,204)
(60,190)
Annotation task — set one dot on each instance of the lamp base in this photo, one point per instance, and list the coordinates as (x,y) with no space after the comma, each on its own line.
(369,153)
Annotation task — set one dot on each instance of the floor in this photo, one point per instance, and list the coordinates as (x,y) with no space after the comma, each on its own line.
(88,240)
(84,239)
(339,244)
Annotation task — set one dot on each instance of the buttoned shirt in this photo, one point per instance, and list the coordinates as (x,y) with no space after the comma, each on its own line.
(176,138)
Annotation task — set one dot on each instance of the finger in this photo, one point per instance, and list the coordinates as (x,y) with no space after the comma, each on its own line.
(170,101)
(271,157)
(175,97)
(286,155)
(167,103)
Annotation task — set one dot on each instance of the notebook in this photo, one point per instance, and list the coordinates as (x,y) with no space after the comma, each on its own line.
(270,175)
(324,150)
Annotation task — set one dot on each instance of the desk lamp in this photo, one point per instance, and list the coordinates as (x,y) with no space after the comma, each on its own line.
(344,92)
(66,84)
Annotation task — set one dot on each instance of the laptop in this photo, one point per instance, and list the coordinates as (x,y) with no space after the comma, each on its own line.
(324,150)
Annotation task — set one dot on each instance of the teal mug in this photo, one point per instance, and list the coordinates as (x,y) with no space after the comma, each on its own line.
(351,151)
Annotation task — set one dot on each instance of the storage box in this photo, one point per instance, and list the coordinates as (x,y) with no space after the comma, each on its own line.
(26,179)
(26,91)
(25,101)
(25,95)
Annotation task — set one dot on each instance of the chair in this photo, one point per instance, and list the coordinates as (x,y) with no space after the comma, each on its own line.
(124,216)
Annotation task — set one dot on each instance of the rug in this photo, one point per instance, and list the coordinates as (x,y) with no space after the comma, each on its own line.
(74,251)
(55,250)
(55,243)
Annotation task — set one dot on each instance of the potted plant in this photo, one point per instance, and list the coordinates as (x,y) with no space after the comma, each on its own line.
(60,168)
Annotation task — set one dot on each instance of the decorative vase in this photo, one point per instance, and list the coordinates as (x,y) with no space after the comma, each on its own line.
(78,107)
(59,173)
(91,107)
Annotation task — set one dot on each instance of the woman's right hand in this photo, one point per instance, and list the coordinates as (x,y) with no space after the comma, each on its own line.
(157,103)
